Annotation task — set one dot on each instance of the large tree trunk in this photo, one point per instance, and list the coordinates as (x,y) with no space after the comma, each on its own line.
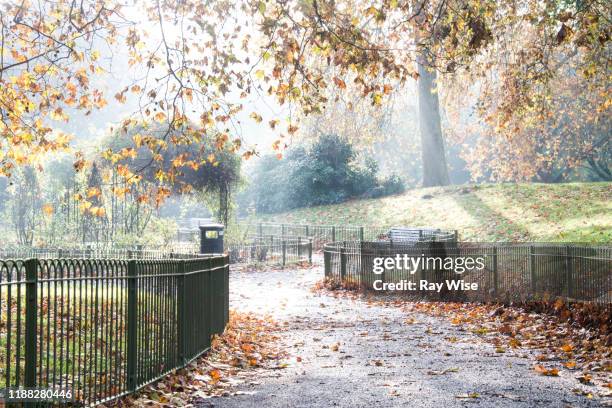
(435,172)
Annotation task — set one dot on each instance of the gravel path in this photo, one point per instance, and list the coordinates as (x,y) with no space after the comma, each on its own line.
(348,353)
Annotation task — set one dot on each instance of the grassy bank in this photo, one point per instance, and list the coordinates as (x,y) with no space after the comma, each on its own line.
(578,212)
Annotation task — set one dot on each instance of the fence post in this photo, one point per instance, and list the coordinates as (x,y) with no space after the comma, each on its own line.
(569,270)
(284,246)
(532,269)
(306,230)
(31,266)
(326,262)
(495,276)
(299,247)
(333,234)
(361,233)
(132,321)
(181,332)
(283,230)
(310,251)
(342,263)
(260,230)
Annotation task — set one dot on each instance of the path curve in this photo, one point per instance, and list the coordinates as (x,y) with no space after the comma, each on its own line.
(355,354)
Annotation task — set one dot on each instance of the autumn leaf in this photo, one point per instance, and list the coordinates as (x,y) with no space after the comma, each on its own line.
(160,117)
(120,97)
(47,209)
(467,396)
(215,375)
(552,372)
(570,364)
(339,83)
(256,117)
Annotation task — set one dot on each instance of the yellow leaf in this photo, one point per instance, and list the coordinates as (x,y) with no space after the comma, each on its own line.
(47,209)
(256,117)
(160,116)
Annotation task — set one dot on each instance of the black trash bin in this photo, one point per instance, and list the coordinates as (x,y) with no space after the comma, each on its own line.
(211,238)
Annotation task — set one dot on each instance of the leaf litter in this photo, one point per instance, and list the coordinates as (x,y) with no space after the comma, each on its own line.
(248,346)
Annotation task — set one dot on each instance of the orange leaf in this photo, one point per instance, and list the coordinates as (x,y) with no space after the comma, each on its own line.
(47,209)
(215,375)
(553,372)
(339,83)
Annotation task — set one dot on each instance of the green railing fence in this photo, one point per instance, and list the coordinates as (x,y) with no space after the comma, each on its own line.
(272,250)
(93,253)
(320,234)
(106,327)
(512,271)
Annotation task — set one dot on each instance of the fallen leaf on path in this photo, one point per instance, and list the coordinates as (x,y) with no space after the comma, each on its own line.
(551,372)
(470,395)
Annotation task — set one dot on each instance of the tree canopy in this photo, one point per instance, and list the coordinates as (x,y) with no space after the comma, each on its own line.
(198,61)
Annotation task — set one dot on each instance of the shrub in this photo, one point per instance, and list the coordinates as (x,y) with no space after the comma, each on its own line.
(327,172)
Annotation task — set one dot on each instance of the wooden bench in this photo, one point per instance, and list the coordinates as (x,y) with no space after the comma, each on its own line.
(412,235)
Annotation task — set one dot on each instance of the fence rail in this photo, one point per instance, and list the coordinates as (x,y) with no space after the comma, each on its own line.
(94,253)
(511,272)
(272,249)
(322,234)
(106,327)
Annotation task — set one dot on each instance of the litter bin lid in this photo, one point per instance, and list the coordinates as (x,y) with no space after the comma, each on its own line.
(209,225)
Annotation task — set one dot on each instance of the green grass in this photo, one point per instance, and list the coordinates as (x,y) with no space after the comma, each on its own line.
(571,212)
(83,332)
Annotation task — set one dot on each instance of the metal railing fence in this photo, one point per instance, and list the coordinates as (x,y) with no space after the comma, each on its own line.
(93,253)
(323,234)
(272,250)
(511,272)
(106,327)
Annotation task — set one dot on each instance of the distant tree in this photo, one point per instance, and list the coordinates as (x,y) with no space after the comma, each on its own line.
(4,193)
(25,205)
(326,172)
(94,214)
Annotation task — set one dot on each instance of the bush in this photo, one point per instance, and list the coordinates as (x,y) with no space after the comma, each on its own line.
(328,172)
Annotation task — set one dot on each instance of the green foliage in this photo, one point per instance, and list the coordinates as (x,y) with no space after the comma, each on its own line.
(327,172)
